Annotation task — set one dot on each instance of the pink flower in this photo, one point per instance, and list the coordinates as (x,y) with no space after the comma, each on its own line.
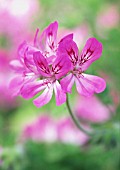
(50,81)
(68,133)
(38,69)
(24,66)
(86,84)
(47,42)
(46,129)
(16,17)
(5,76)
(92,109)
(43,129)
(19,13)
(109,14)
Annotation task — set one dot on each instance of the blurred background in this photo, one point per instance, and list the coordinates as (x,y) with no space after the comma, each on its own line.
(46,138)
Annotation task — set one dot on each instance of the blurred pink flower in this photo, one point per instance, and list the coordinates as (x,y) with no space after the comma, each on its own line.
(46,129)
(69,133)
(16,14)
(92,109)
(109,17)
(43,129)
(5,77)
(16,17)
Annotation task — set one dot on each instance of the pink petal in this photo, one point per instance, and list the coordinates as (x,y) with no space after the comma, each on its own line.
(61,66)
(25,48)
(91,52)
(32,49)
(59,94)
(29,90)
(21,51)
(67,37)
(29,62)
(44,98)
(41,64)
(16,85)
(87,85)
(67,83)
(69,48)
(48,37)
(96,81)
(17,66)
(51,59)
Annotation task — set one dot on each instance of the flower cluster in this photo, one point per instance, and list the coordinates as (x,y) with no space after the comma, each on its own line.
(51,66)
(46,129)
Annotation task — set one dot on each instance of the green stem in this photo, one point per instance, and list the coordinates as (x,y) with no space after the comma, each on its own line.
(75,120)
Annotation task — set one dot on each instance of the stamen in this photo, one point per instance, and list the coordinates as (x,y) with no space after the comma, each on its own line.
(77,72)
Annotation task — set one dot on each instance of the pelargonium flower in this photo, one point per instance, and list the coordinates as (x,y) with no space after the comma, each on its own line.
(86,84)
(28,85)
(35,72)
(42,129)
(47,43)
(49,82)
(24,66)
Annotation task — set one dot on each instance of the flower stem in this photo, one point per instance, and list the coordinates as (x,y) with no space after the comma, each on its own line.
(75,120)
